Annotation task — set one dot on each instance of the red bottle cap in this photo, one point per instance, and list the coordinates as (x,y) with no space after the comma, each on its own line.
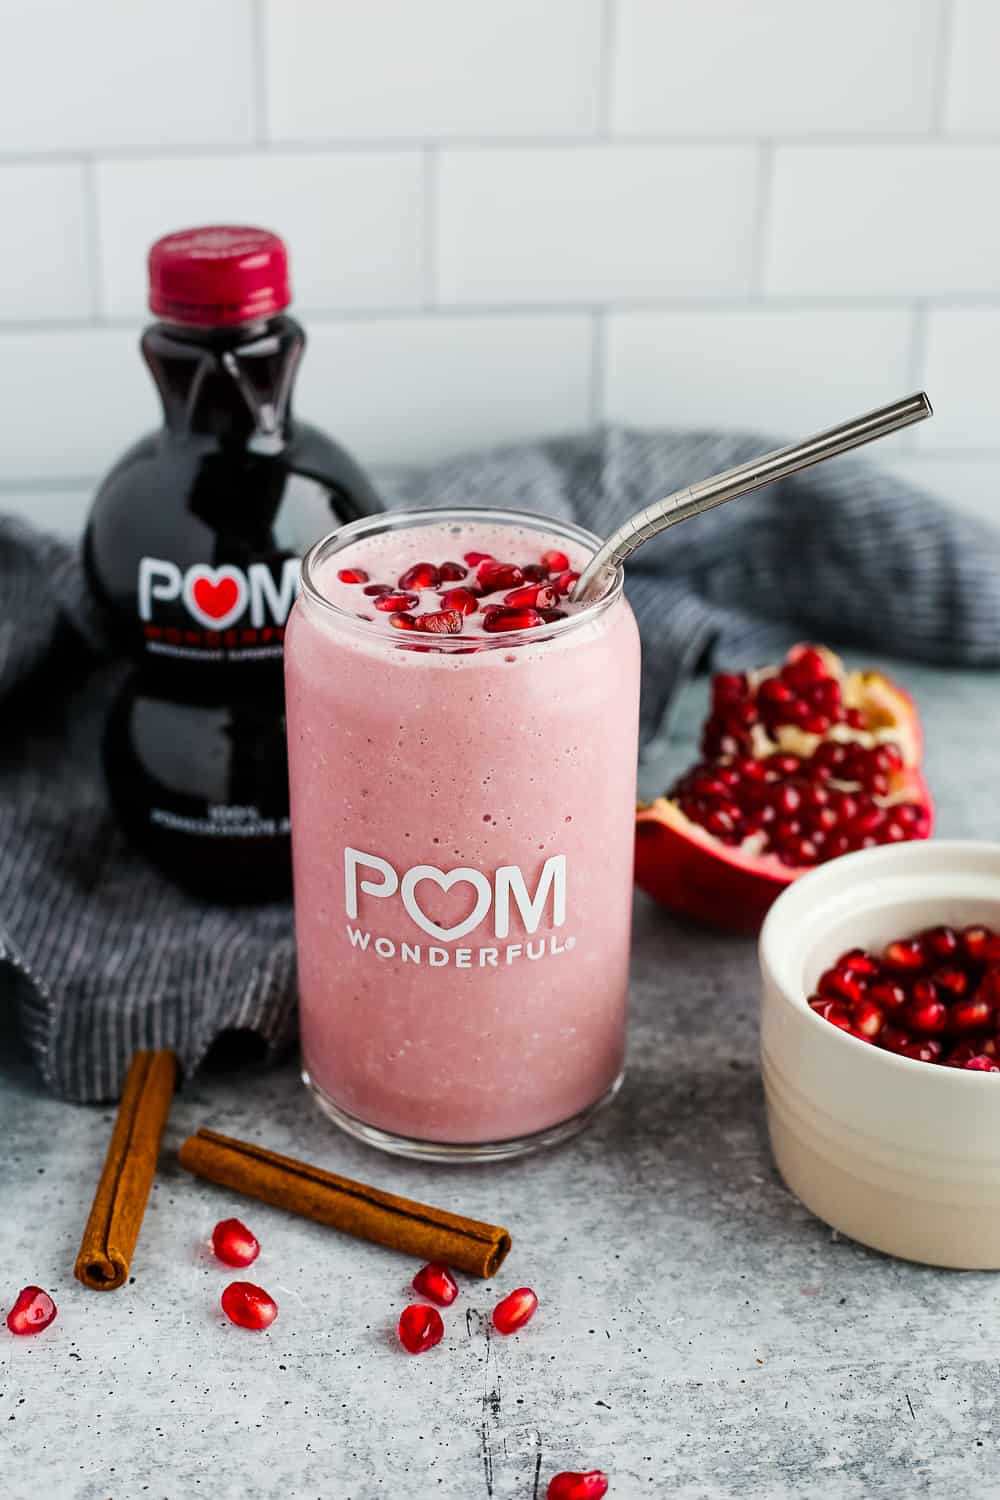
(218,275)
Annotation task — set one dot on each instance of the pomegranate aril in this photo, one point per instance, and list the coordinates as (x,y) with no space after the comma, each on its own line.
(441,622)
(451,572)
(807,667)
(437,1284)
(353,575)
(462,599)
(774,693)
(591,1485)
(981,943)
(970,1015)
(832,1011)
(960,1054)
(981,1064)
(511,619)
(927,1016)
(800,852)
(555,562)
(233,1243)
(894,1039)
(888,994)
(566,582)
(550,615)
(475,558)
(842,984)
(855,719)
(868,1018)
(908,956)
(926,1050)
(536,595)
(391,603)
(402,622)
(248,1306)
(33,1310)
(492,576)
(786,799)
(728,687)
(888,757)
(374,590)
(857,961)
(533,573)
(420,1328)
(514,1310)
(955,982)
(423,575)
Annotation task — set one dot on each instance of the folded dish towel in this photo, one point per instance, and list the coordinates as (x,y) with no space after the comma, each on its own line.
(102,955)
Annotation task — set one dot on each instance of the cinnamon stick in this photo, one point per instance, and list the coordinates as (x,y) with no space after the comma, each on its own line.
(120,1200)
(366,1212)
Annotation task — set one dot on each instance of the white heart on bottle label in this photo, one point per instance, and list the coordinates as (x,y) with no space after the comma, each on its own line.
(479,882)
(215,596)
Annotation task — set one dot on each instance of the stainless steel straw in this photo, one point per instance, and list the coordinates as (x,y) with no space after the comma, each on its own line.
(707,493)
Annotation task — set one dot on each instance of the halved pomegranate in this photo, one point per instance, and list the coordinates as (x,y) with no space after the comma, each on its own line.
(802,762)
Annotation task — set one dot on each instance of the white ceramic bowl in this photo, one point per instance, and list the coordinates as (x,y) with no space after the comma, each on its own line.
(902,1155)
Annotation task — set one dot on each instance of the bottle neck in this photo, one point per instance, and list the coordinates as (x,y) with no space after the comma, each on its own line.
(232,384)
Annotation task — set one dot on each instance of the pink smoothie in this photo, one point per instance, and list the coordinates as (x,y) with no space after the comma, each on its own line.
(462,825)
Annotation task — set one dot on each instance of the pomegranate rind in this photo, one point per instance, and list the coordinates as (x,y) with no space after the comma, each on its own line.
(685,869)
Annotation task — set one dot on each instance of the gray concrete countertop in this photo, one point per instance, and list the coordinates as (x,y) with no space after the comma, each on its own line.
(700,1335)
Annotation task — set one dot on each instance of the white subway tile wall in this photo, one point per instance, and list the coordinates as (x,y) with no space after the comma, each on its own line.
(517,219)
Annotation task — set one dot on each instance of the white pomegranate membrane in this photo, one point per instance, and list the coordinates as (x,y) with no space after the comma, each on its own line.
(455,579)
(933,997)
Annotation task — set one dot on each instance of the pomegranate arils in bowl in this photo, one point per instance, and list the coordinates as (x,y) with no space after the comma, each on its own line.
(946,1015)
(801,763)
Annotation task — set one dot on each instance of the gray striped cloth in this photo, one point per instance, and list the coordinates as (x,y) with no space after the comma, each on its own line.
(101,955)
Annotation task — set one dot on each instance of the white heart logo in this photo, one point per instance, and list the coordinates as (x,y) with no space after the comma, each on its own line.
(215,596)
(475,878)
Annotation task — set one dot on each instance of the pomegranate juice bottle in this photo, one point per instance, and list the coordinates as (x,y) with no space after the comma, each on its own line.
(193,545)
(462,750)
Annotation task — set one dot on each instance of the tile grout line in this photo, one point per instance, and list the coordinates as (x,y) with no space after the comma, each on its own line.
(694,305)
(361,146)
(607,62)
(259,74)
(431,235)
(763,200)
(943,58)
(35,484)
(598,365)
(92,235)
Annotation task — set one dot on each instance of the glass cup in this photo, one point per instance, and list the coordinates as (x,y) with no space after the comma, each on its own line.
(462,834)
